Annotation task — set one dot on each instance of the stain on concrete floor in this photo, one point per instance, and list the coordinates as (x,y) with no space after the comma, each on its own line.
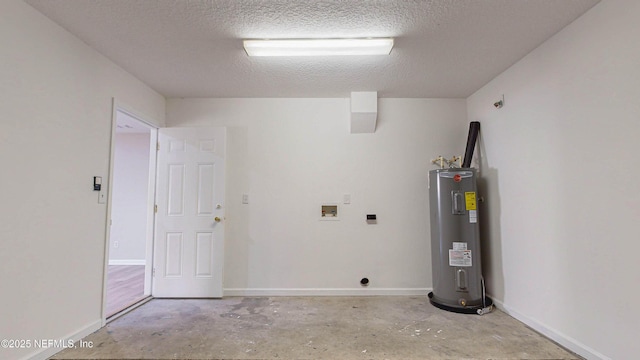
(385,327)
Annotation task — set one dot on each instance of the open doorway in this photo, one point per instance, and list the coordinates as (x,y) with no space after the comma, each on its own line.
(130,243)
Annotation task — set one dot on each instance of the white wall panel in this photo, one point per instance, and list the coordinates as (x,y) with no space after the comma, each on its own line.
(559,170)
(292,155)
(129,198)
(56,109)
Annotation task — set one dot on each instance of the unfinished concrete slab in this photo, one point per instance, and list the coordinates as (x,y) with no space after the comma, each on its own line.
(389,327)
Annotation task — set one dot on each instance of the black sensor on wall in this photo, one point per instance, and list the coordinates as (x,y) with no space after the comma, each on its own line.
(97,183)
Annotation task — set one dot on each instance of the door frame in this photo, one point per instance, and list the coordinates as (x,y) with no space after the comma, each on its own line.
(118,106)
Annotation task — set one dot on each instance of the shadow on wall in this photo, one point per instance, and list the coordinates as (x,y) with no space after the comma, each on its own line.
(490,229)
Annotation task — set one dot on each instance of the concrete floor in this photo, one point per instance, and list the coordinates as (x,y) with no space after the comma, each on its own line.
(386,327)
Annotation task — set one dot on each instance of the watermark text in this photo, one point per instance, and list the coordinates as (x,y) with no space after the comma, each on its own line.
(44,344)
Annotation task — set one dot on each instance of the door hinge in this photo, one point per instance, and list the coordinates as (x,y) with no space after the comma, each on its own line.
(158,146)
(153,272)
(155,209)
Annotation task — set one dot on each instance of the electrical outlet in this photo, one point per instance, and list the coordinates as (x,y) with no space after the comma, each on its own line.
(116,244)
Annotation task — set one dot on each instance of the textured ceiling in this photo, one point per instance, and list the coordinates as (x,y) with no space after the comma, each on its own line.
(443,48)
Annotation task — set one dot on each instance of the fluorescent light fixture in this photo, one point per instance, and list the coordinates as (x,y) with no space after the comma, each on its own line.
(318,47)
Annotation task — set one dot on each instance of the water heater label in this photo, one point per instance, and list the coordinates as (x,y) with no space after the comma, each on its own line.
(473,216)
(459,257)
(459,246)
(470,200)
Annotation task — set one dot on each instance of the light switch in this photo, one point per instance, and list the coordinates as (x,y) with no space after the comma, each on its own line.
(346,199)
(245,198)
(102,196)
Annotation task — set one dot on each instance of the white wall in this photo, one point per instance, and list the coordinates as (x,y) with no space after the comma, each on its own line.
(291,155)
(560,171)
(129,197)
(55,110)
(557,161)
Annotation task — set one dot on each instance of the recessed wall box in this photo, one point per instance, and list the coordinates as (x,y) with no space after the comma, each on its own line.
(371,217)
(329,212)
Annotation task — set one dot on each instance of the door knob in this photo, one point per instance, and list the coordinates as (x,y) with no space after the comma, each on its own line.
(217,219)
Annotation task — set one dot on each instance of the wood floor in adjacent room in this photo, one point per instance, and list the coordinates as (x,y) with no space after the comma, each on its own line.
(383,327)
(125,287)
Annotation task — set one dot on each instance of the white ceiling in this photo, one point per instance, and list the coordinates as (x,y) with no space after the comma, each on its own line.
(443,48)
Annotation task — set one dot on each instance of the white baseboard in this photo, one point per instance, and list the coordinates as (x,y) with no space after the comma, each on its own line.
(46,353)
(553,334)
(327,292)
(127,262)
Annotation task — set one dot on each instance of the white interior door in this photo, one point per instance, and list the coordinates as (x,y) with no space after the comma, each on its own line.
(189,243)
